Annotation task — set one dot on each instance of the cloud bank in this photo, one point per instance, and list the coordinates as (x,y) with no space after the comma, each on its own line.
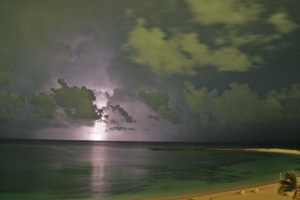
(240,109)
(153,71)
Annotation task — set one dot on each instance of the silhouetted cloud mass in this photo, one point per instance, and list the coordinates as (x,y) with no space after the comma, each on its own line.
(240,108)
(123,113)
(192,70)
(77,103)
(159,103)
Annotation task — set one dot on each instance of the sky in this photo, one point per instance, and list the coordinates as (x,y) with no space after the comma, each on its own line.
(132,70)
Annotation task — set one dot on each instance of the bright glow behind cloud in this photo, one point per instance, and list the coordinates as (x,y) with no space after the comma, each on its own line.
(99,131)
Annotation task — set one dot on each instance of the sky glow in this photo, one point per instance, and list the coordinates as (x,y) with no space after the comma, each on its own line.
(195,70)
(99,131)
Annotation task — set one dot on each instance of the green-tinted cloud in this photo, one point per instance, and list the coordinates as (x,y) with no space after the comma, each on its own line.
(282,23)
(229,12)
(44,105)
(285,101)
(227,58)
(240,108)
(77,102)
(151,48)
(159,103)
(182,53)
(12,105)
(197,100)
(168,114)
(6,74)
(154,100)
(178,51)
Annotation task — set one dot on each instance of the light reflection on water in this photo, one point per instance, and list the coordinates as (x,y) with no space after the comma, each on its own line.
(114,170)
(99,162)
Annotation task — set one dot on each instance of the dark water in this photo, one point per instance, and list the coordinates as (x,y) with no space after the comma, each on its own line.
(130,170)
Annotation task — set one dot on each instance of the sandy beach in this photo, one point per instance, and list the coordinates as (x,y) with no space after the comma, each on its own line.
(258,192)
(262,192)
(274,150)
(265,192)
(288,151)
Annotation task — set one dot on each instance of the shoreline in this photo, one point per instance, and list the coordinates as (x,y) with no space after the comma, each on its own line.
(266,191)
(276,150)
(267,150)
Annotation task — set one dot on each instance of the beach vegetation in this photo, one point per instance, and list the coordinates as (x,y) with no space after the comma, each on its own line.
(289,185)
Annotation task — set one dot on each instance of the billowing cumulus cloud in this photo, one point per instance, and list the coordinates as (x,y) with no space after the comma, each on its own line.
(114,54)
(74,102)
(160,103)
(77,102)
(126,117)
(241,109)
(156,128)
(282,22)
(233,38)
(227,58)
(182,53)
(48,40)
(231,12)
(44,105)
(12,105)
(161,55)
(116,115)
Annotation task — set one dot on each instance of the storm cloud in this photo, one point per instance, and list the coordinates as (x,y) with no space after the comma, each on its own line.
(159,102)
(240,109)
(161,70)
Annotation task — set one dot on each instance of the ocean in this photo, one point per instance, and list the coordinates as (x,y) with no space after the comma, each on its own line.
(84,170)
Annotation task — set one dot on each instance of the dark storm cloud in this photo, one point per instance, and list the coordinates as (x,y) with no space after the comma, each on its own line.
(47,40)
(74,40)
(220,45)
(123,113)
(240,109)
(233,41)
(64,108)
(77,102)
(12,106)
(118,50)
(155,117)
(157,102)
(182,53)
(6,74)
(44,105)
(116,115)
(144,127)
(160,103)
(121,128)
(120,95)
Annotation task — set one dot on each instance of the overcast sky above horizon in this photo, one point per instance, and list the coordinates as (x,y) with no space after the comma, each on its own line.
(173,70)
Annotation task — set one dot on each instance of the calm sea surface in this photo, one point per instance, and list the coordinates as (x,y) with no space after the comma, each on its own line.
(131,170)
